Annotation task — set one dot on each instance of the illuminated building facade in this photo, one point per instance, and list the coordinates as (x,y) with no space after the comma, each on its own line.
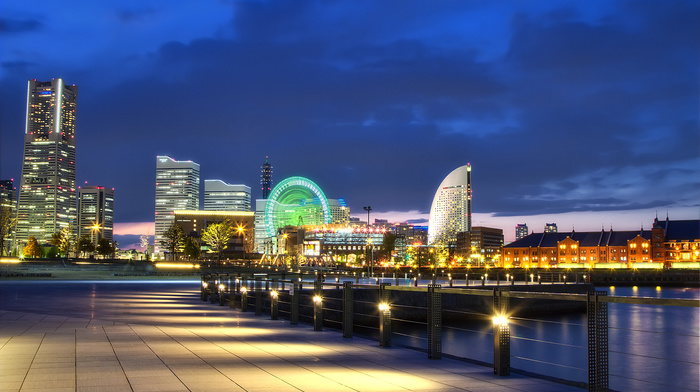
(339,240)
(47,191)
(96,212)
(550,228)
(263,244)
(220,196)
(521,231)
(340,212)
(451,211)
(7,194)
(194,222)
(481,245)
(670,244)
(177,188)
(266,178)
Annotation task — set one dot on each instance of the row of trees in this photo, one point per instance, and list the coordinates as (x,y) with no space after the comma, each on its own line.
(65,242)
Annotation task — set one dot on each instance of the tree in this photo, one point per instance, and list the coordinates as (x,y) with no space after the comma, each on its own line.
(104,247)
(217,235)
(192,248)
(84,245)
(8,220)
(63,240)
(388,245)
(32,249)
(173,239)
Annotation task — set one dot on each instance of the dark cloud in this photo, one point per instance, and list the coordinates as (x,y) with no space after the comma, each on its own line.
(17,26)
(379,113)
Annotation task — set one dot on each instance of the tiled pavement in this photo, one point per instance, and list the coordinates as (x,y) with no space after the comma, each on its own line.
(218,349)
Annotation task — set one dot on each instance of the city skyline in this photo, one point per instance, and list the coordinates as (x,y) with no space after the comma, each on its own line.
(583,114)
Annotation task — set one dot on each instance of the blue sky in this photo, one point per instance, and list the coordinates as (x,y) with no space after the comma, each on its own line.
(579,112)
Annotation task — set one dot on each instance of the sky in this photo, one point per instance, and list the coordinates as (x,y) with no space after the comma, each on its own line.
(583,113)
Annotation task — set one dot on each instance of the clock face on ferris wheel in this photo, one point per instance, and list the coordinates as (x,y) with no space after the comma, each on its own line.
(295,201)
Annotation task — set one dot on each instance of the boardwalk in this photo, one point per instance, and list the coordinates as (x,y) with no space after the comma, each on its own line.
(159,337)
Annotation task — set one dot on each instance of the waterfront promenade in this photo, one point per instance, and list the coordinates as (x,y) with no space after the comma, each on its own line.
(141,337)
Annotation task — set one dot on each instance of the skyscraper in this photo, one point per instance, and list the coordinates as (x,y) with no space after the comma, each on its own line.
(220,196)
(177,188)
(451,211)
(550,228)
(96,212)
(47,197)
(266,179)
(521,231)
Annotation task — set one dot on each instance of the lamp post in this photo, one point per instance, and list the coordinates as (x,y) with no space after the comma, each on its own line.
(371,264)
(241,232)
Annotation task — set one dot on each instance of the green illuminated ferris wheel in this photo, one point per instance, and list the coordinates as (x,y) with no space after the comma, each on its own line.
(295,201)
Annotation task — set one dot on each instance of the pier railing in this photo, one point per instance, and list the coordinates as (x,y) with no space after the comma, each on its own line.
(342,302)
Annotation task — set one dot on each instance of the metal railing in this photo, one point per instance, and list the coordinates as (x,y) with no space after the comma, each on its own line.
(348,305)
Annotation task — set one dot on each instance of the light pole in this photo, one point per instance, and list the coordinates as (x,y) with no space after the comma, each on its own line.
(371,264)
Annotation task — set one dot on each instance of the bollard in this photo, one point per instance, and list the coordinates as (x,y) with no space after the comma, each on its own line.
(294,290)
(274,307)
(203,289)
(244,299)
(222,294)
(597,315)
(501,346)
(450,279)
(512,280)
(318,306)
(347,310)
(539,279)
(501,334)
(384,317)
(213,288)
(258,302)
(434,322)
(483,281)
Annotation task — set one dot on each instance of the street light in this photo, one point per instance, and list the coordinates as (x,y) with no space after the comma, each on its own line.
(371,265)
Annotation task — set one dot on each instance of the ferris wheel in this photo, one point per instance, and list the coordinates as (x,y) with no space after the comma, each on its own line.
(295,201)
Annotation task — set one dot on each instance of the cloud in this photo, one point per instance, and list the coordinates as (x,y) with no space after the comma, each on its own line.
(17,26)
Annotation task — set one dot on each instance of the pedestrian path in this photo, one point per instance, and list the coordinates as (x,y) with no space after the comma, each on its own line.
(195,346)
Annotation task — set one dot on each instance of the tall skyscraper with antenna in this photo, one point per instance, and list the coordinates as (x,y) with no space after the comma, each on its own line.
(266,179)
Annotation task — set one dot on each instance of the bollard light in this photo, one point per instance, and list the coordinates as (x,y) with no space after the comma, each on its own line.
(274,305)
(204,284)
(244,290)
(221,287)
(317,299)
(500,320)
(384,307)
(274,294)
(318,313)
(501,345)
(384,325)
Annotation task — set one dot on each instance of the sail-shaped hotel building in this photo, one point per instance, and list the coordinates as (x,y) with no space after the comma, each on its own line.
(451,211)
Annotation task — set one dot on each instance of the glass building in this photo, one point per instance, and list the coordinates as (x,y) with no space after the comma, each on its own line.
(47,191)
(220,196)
(96,212)
(177,188)
(451,211)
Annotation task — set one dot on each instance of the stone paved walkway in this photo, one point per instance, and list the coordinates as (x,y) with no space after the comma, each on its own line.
(156,344)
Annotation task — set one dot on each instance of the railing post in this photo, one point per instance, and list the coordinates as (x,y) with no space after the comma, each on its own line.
(318,306)
(258,300)
(501,334)
(244,299)
(434,322)
(294,290)
(597,315)
(347,310)
(384,316)
(274,305)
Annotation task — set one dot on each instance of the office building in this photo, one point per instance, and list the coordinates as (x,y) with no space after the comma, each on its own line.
(521,231)
(195,222)
(266,179)
(220,196)
(263,243)
(451,211)
(47,191)
(550,228)
(177,188)
(96,213)
(7,194)
(479,246)
(340,212)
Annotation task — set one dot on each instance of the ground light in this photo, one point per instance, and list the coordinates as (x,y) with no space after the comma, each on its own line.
(501,345)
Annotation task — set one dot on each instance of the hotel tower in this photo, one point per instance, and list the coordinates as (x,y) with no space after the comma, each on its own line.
(451,212)
(47,192)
